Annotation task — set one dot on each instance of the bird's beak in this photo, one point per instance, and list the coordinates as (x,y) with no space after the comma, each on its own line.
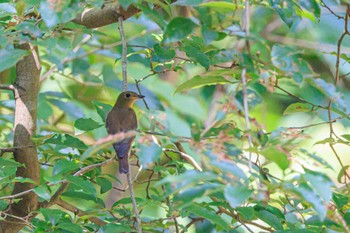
(141,96)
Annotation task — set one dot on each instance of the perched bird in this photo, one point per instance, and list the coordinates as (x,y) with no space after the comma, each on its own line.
(122,118)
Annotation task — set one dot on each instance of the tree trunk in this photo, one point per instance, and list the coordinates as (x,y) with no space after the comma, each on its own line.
(26,100)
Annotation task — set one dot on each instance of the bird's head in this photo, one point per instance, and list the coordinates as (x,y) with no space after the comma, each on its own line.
(127,99)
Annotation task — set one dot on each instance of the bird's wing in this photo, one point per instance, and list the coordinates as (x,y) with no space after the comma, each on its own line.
(121,120)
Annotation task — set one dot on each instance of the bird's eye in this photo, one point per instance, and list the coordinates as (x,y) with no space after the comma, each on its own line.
(127,95)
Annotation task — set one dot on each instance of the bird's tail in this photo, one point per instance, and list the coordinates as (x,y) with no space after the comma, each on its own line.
(123,165)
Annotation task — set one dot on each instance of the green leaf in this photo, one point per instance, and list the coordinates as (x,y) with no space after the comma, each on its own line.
(188,177)
(188,195)
(102,109)
(7,163)
(286,13)
(198,56)
(109,228)
(3,205)
(152,14)
(187,2)
(340,200)
(321,184)
(317,159)
(199,81)
(31,28)
(247,213)
(307,194)
(297,107)
(20,179)
(329,90)
(44,109)
(83,195)
(277,156)
(82,184)
(342,173)
(20,7)
(149,154)
(208,214)
(87,124)
(70,227)
(63,166)
(325,141)
(127,200)
(8,8)
(221,6)
(229,167)
(164,53)
(53,216)
(346,136)
(104,183)
(237,194)
(270,219)
(9,57)
(68,107)
(66,140)
(126,3)
(177,29)
(253,98)
(43,191)
(48,14)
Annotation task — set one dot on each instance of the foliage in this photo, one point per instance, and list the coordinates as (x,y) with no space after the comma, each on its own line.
(284,170)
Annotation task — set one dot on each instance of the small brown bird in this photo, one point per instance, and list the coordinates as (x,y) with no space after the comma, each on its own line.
(122,118)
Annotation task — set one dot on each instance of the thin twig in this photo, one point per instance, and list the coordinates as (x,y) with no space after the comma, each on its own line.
(7,87)
(336,82)
(6,150)
(125,88)
(133,200)
(124,48)
(244,86)
(298,98)
(320,123)
(330,10)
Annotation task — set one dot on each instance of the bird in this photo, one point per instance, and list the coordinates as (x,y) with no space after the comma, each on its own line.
(121,119)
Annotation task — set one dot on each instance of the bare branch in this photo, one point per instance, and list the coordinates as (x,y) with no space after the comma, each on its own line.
(133,200)
(79,212)
(244,85)
(6,150)
(7,87)
(124,51)
(330,10)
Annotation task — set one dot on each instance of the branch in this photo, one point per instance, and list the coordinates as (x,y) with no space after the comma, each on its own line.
(108,14)
(133,200)
(6,150)
(336,82)
(7,87)
(79,212)
(332,12)
(244,86)
(124,48)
